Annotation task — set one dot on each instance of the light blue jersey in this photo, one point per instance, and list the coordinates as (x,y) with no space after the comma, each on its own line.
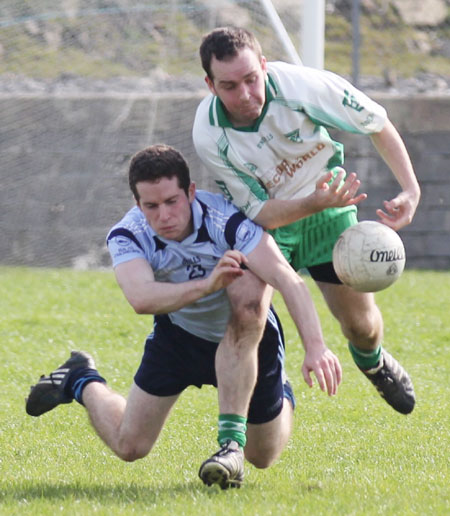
(218,227)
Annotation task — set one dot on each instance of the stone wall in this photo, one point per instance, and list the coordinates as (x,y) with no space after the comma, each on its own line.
(63,185)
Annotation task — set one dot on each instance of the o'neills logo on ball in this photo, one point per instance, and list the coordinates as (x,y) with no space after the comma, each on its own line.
(390,255)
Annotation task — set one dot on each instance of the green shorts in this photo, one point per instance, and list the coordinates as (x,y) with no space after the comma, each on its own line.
(310,241)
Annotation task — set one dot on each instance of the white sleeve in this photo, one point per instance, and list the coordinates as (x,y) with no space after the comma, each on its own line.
(329,99)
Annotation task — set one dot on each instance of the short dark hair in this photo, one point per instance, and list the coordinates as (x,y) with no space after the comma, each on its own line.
(155,162)
(224,43)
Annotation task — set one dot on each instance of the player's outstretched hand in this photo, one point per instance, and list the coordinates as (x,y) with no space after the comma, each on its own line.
(336,193)
(399,212)
(326,367)
(228,268)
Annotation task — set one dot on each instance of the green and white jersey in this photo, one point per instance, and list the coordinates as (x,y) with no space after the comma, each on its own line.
(288,148)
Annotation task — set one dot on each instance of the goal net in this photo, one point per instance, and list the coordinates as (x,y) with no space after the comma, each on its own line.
(84,84)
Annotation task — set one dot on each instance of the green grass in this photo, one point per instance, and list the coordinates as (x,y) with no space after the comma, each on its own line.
(349,455)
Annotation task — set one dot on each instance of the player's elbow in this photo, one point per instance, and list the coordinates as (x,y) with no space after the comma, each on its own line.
(140,310)
(285,279)
(266,222)
(141,306)
(270,225)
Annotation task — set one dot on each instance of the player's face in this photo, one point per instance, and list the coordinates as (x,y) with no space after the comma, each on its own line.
(239,82)
(166,207)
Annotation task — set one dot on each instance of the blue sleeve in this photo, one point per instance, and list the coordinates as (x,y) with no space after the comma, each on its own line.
(230,228)
(241,233)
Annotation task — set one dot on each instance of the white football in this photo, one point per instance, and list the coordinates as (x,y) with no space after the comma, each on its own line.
(369,256)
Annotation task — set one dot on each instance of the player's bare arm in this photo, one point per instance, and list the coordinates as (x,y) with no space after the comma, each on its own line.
(270,265)
(148,296)
(399,211)
(329,193)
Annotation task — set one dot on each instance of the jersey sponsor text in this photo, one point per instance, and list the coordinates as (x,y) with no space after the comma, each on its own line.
(290,168)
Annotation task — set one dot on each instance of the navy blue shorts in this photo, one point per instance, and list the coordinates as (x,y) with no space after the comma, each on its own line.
(174,359)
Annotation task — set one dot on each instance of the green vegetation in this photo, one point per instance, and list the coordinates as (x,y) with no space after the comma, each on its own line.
(349,455)
(99,44)
(386,45)
(116,38)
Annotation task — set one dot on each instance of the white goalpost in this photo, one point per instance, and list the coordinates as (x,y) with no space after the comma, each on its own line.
(280,31)
(313,33)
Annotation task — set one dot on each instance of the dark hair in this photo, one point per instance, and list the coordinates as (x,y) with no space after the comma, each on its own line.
(224,43)
(155,162)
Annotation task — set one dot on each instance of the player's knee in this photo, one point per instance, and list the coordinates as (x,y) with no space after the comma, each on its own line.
(130,451)
(261,459)
(266,442)
(249,297)
(250,309)
(252,313)
(366,325)
(266,452)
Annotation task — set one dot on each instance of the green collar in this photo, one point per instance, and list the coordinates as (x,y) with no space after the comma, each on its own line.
(219,118)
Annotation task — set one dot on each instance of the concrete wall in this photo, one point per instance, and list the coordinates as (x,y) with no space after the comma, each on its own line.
(424,124)
(64,162)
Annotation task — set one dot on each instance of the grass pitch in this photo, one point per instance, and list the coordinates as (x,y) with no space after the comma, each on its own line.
(349,455)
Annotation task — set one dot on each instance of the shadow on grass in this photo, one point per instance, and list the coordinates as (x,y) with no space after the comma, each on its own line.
(119,493)
(142,493)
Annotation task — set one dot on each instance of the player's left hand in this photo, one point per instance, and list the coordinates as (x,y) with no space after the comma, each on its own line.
(326,367)
(399,211)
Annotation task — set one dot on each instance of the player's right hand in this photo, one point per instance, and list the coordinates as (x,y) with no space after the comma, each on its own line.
(228,268)
(336,193)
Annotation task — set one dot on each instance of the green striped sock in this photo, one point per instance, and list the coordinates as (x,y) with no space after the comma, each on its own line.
(365,359)
(232,426)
